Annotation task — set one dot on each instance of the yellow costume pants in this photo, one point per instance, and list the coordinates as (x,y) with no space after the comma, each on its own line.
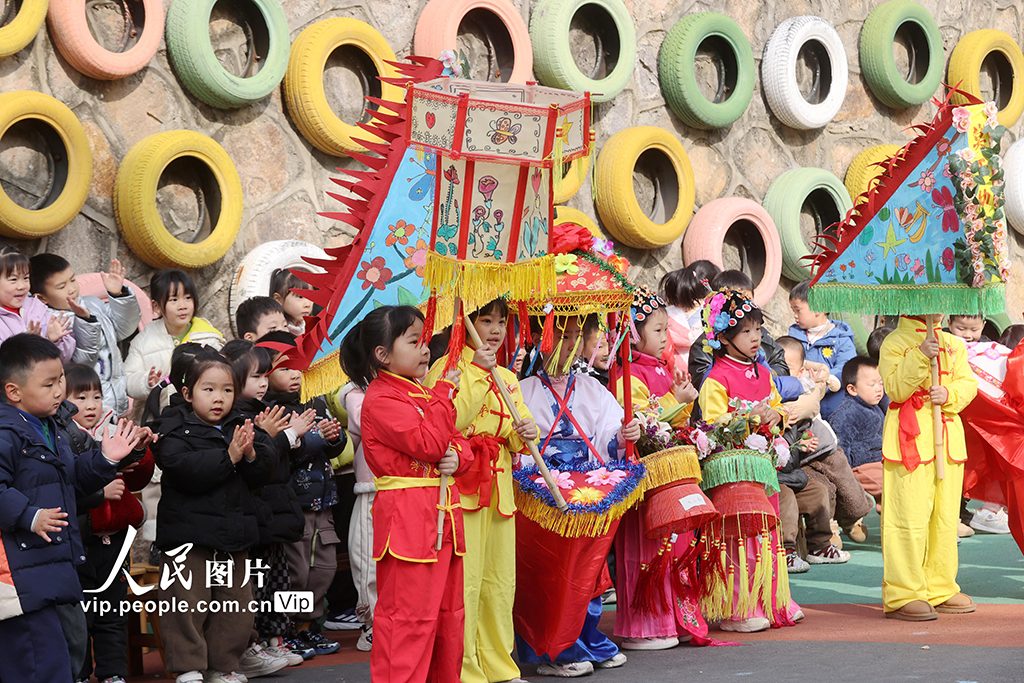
(490,589)
(919,520)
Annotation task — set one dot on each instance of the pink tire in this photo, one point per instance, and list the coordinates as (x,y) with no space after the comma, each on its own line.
(74,40)
(91,284)
(438,28)
(706,235)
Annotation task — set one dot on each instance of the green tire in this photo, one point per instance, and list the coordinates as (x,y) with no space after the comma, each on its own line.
(876,57)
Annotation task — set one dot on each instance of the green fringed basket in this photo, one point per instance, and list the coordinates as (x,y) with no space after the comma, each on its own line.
(730,467)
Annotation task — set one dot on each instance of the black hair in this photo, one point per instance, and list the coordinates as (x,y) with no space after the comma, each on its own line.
(792,344)
(181,359)
(875,339)
(736,280)
(283,281)
(685,288)
(976,316)
(13,261)
(245,358)
(204,360)
(800,291)
(499,306)
(79,377)
(277,337)
(165,282)
(852,368)
(591,324)
(42,267)
(755,316)
(251,311)
(381,327)
(19,354)
(438,344)
(1011,336)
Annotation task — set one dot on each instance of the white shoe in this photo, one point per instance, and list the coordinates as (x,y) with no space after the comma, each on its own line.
(256,662)
(365,642)
(570,670)
(189,677)
(282,653)
(612,662)
(221,677)
(751,625)
(830,554)
(798,616)
(649,643)
(991,522)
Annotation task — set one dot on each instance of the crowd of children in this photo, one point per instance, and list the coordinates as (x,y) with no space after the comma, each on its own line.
(241,480)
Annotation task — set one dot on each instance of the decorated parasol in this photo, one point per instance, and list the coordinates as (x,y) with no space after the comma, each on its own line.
(930,237)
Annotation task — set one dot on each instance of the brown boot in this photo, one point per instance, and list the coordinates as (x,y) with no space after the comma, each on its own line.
(915,610)
(958,604)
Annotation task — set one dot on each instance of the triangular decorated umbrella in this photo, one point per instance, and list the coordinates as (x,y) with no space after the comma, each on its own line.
(931,236)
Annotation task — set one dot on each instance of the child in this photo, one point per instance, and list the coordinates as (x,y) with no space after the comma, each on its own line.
(488,507)
(684,291)
(1012,336)
(596,348)
(20,312)
(259,316)
(39,537)
(738,374)
(920,511)
(825,341)
(875,339)
(409,440)
(175,301)
(211,459)
(99,326)
(858,423)
(970,328)
(312,560)
(295,306)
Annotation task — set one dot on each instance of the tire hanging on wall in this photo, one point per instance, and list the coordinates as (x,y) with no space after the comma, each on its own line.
(965,69)
(17,34)
(1013,170)
(785,200)
(305,97)
(553,60)
(567,214)
(190,52)
(70,31)
(254,273)
(778,73)
(705,239)
(679,82)
(616,200)
(135,201)
(862,171)
(878,64)
(71,172)
(437,29)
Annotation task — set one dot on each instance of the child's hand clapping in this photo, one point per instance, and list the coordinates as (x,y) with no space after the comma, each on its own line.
(114,280)
(449,463)
(527,430)
(939,395)
(330,429)
(930,347)
(123,441)
(684,390)
(242,443)
(273,420)
(631,431)
(114,490)
(58,328)
(154,377)
(49,520)
(302,422)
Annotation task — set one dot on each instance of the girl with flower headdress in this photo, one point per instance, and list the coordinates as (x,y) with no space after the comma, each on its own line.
(740,376)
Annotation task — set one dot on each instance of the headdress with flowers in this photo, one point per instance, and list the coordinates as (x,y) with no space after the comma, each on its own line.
(645,302)
(722,310)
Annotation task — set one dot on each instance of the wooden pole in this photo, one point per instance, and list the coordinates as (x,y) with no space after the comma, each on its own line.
(940,452)
(442,502)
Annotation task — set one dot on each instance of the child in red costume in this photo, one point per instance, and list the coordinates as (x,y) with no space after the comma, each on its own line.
(409,439)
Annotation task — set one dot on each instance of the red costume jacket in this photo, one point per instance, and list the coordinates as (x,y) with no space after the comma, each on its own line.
(406,430)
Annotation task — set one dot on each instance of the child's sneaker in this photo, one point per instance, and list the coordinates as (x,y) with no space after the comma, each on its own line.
(963,531)
(858,533)
(256,662)
(317,641)
(189,677)
(365,642)
(570,670)
(221,677)
(751,625)
(609,597)
(345,621)
(796,564)
(299,647)
(828,555)
(649,643)
(283,652)
(612,662)
(991,522)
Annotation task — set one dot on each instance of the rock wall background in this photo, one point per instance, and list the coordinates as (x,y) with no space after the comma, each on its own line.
(285,179)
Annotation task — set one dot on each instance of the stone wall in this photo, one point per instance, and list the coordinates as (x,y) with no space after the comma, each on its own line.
(285,179)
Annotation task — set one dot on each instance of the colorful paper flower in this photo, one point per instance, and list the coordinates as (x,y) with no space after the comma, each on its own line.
(756,442)
(563,480)
(566,263)
(989,109)
(417,257)
(400,233)
(451,62)
(602,476)
(961,119)
(782,452)
(586,495)
(967,181)
(966,153)
(374,274)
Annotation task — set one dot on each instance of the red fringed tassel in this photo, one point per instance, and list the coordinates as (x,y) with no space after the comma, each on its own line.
(428,319)
(650,597)
(524,325)
(684,569)
(455,346)
(547,340)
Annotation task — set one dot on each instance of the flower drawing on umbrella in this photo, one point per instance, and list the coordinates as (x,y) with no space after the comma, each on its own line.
(452,175)
(417,257)
(602,476)
(927,181)
(948,259)
(487,186)
(400,233)
(374,273)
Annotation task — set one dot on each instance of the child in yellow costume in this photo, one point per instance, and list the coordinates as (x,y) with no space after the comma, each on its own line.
(487,500)
(920,511)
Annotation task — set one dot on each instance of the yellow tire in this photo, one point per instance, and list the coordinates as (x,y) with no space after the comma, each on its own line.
(135,204)
(572,181)
(965,69)
(566,214)
(304,93)
(862,172)
(23,27)
(72,165)
(674,187)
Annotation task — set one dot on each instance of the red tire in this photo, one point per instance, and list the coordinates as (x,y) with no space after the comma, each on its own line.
(438,28)
(705,239)
(76,43)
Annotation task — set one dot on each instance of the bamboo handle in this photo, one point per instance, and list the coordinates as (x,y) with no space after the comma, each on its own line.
(442,501)
(940,457)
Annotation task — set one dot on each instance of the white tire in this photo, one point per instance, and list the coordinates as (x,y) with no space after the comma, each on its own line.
(1013,177)
(252,278)
(778,73)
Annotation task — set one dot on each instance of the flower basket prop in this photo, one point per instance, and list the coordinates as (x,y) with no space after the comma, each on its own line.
(930,237)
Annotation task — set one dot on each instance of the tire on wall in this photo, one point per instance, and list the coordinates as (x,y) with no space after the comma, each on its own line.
(304,93)
(785,199)
(253,275)
(965,68)
(191,53)
(735,65)
(660,154)
(1013,170)
(71,165)
(553,60)
(23,27)
(437,29)
(135,200)
(862,171)
(70,31)
(567,214)
(778,72)
(878,64)
(706,235)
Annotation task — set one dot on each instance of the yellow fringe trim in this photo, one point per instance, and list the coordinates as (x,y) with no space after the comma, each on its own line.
(478,282)
(574,524)
(782,582)
(600,302)
(322,377)
(745,604)
(669,466)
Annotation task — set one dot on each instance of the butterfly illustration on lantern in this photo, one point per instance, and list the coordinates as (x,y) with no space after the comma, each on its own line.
(503,130)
